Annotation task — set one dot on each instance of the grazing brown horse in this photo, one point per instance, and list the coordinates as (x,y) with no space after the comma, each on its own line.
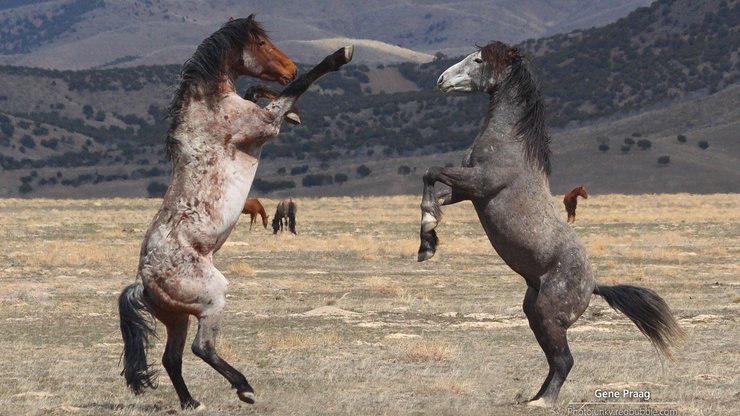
(253,207)
(214,142)
(571,200)
(505,175)
(285,216)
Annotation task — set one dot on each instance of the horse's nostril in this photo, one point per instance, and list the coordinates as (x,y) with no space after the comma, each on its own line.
(441,80)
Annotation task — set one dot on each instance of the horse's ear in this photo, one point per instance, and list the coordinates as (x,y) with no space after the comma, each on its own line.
(231,18)
(250,18)
(513,55)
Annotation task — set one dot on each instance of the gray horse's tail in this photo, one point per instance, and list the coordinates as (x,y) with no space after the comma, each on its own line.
(648,311)
(137,329)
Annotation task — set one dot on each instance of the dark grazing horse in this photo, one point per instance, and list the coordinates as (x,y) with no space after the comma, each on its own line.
(214,142)
(505,175)
(570,200)
(285,216)
(253,207)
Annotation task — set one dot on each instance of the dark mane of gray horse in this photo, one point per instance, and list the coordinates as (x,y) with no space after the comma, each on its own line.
(531,126)
(200,73)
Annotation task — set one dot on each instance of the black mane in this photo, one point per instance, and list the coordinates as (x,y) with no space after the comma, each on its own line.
(530,128)
(200,74)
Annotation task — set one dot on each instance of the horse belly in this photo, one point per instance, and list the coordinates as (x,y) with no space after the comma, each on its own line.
(523,242)
(236,189)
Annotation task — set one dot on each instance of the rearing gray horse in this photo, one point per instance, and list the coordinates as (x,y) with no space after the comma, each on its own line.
(505,175)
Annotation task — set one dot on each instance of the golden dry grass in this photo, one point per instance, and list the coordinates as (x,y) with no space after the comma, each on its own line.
(398,337)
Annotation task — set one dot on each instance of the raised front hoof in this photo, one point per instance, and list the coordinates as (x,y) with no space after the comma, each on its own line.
(246,396)
(293,118)
(348,52)
(541,402)
(428,222)
(342,56)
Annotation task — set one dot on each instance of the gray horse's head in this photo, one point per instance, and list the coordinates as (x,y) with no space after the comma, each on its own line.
(480,71)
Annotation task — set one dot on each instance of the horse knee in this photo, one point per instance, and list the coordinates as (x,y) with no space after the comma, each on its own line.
(170,360)
(203,350)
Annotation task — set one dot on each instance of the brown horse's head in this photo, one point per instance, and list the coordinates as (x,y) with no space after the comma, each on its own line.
(265,220)
(582,192)
(261,59)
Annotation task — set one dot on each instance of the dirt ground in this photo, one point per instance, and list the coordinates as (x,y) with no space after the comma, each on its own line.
(341,319)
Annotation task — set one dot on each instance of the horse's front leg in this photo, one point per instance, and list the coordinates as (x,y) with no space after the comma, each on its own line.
(297,87)
(258,91)
(464,183)
(430,216)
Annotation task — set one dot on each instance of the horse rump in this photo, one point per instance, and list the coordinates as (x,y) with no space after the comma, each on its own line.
(648,311)
(137,329)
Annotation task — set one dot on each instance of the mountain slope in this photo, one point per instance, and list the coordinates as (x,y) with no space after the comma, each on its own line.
(78,34)
(103,129)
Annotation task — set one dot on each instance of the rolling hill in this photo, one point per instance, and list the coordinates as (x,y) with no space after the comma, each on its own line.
(658,73)
(83,34)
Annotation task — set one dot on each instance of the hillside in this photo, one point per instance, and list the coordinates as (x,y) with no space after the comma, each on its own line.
(83,34)
(672,70)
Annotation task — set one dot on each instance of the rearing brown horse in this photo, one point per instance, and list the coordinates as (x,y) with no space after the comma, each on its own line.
(214,141)
(253,207)
(571,200)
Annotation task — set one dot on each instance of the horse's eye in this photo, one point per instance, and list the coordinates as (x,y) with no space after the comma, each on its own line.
(478,60)
(262,43)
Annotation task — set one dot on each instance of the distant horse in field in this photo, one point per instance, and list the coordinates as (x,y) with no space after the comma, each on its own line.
(571,200)
(253,207)
(214,142)
(505,175)
(285,216)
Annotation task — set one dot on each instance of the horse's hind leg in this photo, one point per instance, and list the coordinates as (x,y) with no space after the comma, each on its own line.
(177,332)
(552,337)
(204,346)
(291,223)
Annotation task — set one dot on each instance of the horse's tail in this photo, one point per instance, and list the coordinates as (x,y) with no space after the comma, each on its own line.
(648,311)
(136,329)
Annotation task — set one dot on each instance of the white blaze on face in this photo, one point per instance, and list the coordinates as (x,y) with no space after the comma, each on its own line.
(464,76)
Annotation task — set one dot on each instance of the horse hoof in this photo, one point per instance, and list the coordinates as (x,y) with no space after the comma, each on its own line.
(200,409)
(293,118)
(539,403)
(424,255)
(348,52)
(428,222)
(246,396)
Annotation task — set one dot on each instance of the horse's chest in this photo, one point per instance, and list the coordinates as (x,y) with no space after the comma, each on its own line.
(479,154)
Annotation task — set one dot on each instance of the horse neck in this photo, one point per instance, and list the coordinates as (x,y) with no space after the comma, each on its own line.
(503,113)
(498,132)
(510,129)
(262,212)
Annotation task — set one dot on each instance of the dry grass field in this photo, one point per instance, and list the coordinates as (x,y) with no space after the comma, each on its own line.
(341,319)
